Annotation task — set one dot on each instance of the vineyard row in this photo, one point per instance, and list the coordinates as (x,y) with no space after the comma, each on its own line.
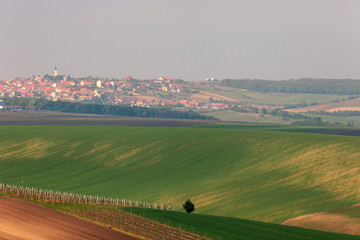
(51,196)
(136,225)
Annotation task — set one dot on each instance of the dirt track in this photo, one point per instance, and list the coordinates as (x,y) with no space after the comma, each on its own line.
(21,219)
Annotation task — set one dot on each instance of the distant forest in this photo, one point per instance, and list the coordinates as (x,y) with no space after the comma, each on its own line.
(92,108)
(307,85)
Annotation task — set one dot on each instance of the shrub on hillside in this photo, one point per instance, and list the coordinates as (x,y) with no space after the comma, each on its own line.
(189,206)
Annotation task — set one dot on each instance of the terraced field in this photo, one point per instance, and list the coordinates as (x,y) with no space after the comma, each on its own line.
(259,175)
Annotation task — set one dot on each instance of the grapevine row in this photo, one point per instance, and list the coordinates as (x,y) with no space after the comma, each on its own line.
(136,225)
(51,196)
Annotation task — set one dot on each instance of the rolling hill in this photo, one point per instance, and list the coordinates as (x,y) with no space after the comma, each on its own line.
(214,227)
(259,175)
(344,220)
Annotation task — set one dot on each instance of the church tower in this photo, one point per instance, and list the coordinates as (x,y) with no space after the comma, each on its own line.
(55,71)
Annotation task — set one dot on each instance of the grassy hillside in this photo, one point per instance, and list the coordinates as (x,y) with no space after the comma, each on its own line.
(259,175)
(234,228)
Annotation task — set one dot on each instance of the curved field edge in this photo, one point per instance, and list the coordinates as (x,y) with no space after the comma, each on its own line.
(21,219)
(343,220)
(258,175)
(218,227)
(214,227)
(125,221)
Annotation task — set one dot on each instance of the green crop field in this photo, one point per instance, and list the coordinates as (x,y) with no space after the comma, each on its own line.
(252,174)
(218,227)
(268,127)
(343,120)
(273,98)
(293,98)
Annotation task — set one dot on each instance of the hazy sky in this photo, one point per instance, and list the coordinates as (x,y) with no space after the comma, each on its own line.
(187,39)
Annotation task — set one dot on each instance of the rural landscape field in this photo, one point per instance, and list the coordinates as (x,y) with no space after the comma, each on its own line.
(179,120)
(267,173)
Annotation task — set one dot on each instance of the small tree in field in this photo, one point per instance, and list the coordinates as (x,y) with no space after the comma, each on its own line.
(189,206)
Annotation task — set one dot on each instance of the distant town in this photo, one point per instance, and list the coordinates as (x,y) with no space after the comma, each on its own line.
(301,101)
(156,92)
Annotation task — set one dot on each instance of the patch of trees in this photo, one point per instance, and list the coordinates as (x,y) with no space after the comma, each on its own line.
(212,100)
(121,110)
(93,108)
(22,102)
(339,113)
(305,85)
(298,105)
(316,123)
(304,120)
(56,78)
(286,115)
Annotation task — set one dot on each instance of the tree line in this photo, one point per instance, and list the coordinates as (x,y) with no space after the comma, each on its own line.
(93,108)
(304,120)
(304,85)
(346,113)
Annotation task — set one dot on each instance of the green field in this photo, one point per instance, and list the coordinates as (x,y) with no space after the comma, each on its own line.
(343,120)
(273,98)
(252,174)
(218,227)
(272,127)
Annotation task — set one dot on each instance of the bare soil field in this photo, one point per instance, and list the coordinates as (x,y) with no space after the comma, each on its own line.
(204,96)
(343,109)
(345,220)
(21,219)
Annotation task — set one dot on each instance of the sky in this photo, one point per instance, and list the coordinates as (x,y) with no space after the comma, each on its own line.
(187,39)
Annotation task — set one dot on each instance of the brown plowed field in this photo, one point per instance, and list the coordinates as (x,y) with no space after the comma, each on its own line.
(204,95)
(343,220)
(21,219)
